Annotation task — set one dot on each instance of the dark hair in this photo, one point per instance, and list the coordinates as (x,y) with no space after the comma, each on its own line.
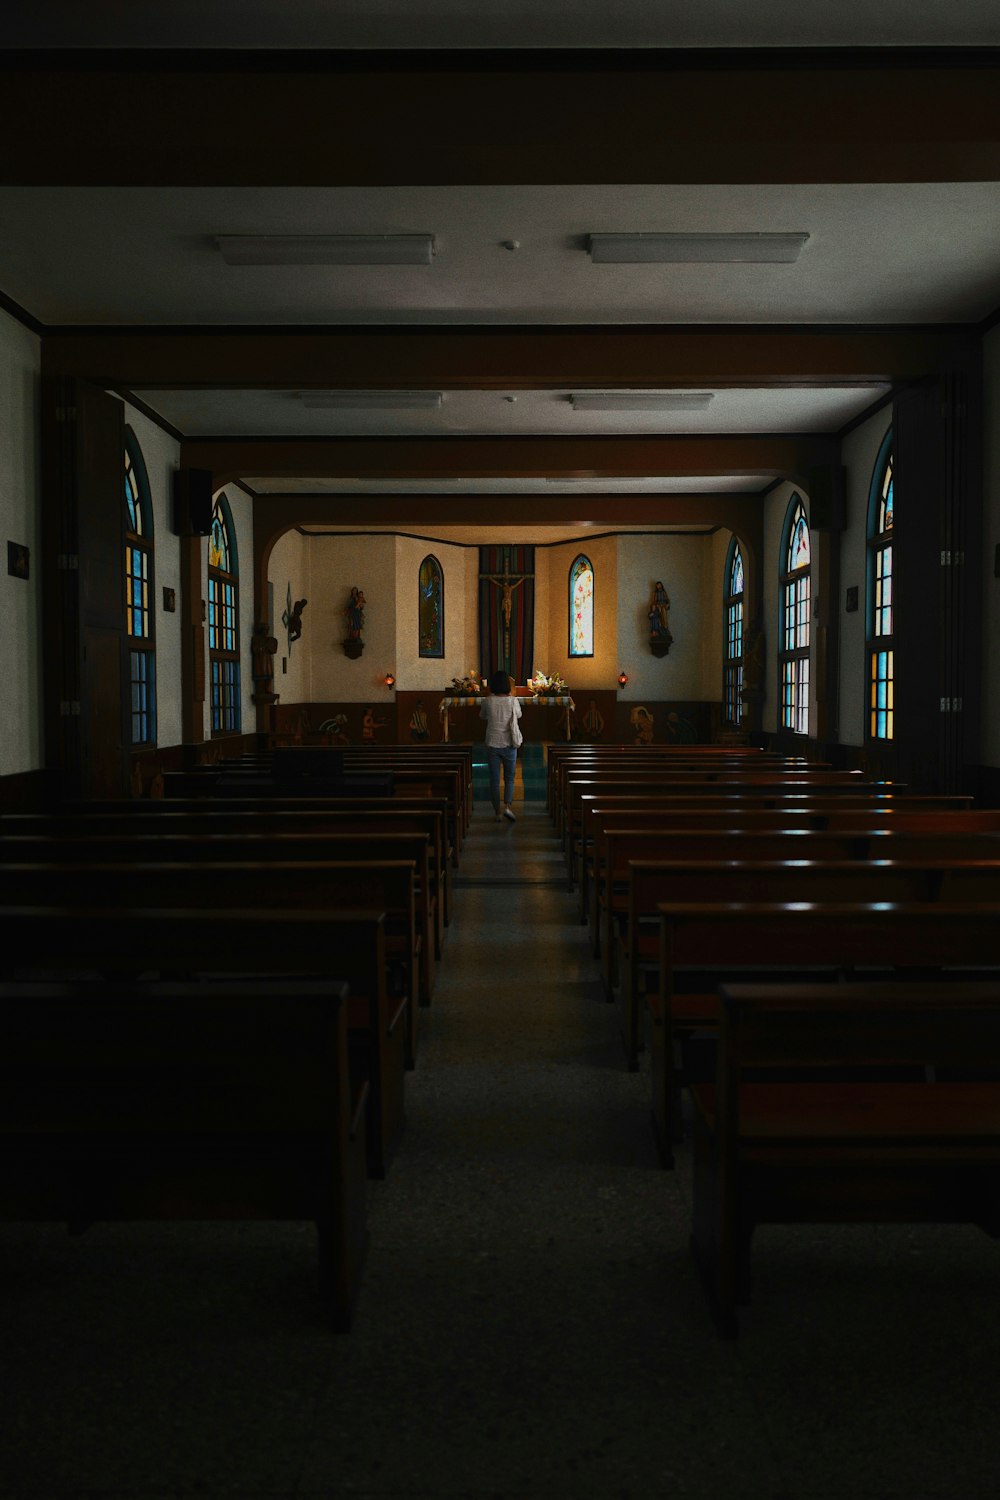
(499,682)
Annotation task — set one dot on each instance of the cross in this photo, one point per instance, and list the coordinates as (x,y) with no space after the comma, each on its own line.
(508,583)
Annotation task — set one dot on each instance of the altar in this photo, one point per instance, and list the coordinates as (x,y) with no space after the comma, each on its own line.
(525,698)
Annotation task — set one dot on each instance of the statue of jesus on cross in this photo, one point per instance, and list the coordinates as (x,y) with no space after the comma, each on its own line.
(508,582)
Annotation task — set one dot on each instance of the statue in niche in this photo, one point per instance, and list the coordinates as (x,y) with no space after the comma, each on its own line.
(354,613)
(659,613)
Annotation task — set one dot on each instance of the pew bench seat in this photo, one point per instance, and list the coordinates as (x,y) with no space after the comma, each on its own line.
(226,1099)
(770,1147)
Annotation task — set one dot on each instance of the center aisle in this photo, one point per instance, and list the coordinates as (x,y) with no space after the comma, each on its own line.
(529,1302)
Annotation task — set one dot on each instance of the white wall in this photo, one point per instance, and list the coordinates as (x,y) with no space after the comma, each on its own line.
(161,455)
(337,564)
(990,742)
(858,455)
(683,564)
(21,724)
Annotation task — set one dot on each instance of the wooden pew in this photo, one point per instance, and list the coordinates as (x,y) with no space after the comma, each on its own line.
(798,811)
(752,788)
(131,844)
(770,1147)
(652,883)
(704,945)
(326,885)
(560,756)
(624,845)
(52,942)
(645,776)
(128,1099)
(86,819)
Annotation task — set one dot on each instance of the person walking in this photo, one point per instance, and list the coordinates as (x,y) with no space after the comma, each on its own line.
(502,713)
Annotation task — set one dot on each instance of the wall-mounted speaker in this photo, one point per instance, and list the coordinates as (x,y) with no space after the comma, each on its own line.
(192,502)
(827,486)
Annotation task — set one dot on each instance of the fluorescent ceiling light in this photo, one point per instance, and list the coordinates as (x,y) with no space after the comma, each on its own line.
(668,249)
(641,400)
(326,249)
(372,400)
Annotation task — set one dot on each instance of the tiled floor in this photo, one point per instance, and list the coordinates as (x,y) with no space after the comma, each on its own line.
(530,1323)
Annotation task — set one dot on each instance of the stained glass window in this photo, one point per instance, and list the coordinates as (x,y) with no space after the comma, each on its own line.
(431,608)
(581,607)
(223,623)
(732,676)
(796,598)
(138,590)
(880,585)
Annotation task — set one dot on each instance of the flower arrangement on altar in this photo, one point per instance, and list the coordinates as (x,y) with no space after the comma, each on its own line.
(541,686)
(468,686)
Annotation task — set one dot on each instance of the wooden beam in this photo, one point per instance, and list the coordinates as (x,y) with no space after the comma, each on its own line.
(361,120)
(551,358)
(767,456)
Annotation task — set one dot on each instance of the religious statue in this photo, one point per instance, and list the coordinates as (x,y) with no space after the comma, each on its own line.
(642,722)
(295,621)
(369,724)
(507,583)
(355,613)
(659,612)
(418,722)
(335,729)
(593,720)
(263,645)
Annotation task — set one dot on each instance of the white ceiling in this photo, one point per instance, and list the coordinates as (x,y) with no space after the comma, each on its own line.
(504,23)
(885,253)
(282,414)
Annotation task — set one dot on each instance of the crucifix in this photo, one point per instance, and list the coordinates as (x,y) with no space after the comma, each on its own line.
(508,583)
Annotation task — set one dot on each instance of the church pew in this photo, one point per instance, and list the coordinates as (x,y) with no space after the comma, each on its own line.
(253,815)
(210,781)
(902,811)
(211,884)
(140,1099)
(259,942)
(758,788)
(839,842)
(863,1146)
(577,761)
(652,883)
(705,945)
(124,842)
(628,775)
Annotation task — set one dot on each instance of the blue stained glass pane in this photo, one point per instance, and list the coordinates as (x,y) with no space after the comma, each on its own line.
(736,578)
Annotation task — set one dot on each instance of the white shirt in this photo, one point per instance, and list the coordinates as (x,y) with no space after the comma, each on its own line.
(499,714)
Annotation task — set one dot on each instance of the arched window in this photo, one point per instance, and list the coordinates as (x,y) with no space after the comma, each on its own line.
(140,627)
(431,608)
(224,621)
(879,592)
(581,607)
(794,626)
(732,670)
